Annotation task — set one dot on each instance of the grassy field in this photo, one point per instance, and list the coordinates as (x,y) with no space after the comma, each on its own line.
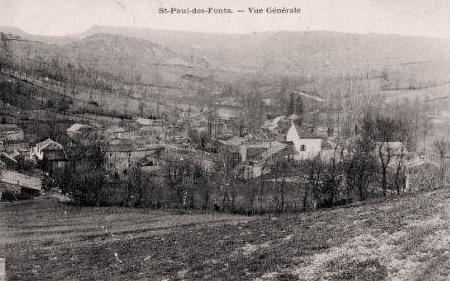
(405,238)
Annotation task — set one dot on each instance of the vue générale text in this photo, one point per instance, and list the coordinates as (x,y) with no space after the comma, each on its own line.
(211,10)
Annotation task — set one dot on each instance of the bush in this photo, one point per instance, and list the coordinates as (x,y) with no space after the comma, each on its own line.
(84,177)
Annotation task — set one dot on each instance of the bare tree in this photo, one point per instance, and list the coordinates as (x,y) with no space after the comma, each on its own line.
(314,168)
(386,130)
(178,177)
(441,148)
(400,172)
(360,162)
(280,169)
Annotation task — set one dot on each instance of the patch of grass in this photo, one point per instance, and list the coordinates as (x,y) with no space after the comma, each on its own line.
(416,236)
(47,243)
(287,276)
(347,270)
(157,244)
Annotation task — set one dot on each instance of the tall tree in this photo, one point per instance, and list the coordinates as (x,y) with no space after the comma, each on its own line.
(441,147)
(386,130)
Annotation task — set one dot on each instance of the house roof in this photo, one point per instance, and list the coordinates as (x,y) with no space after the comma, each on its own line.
(115,129)
(267,101)
(14,178)
(250,139)
(234,141)
(75,128)
(127,145)
(275,149)
(150,122)
(229,102)
(118,145)
(302,133)
(306,134)
(8,158)
(273,124)
(9,127)
(49,144)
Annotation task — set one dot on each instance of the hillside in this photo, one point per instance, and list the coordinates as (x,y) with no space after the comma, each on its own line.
(189,67)
(296,54)
(403,238)
(130,58)
(39,38)
(314,53)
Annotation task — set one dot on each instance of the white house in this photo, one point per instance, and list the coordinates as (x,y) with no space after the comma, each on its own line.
(307,146)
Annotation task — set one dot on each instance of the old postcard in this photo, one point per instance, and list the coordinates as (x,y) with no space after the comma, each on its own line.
(224,140)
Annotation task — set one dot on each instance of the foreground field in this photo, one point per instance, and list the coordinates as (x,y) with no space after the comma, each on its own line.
(403,239)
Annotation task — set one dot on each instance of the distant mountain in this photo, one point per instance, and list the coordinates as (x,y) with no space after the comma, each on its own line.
(128,57)
(41,38)
(134,58)
(14,30)
(314,53)
(173,55)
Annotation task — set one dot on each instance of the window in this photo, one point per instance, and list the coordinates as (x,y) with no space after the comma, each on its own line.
(302,147)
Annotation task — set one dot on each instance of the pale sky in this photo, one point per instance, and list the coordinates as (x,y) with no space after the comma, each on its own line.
(60,17)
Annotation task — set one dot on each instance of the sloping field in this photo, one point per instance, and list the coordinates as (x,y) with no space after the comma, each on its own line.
(434,93)
(405,238)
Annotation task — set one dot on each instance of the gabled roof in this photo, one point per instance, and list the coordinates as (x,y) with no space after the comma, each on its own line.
(306,134)
(302,133)
(49,144)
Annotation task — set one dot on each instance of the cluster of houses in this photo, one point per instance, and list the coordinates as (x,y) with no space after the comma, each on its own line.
(145,143)
(14,151)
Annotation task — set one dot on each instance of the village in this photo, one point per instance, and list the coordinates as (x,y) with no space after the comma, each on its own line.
(213,140)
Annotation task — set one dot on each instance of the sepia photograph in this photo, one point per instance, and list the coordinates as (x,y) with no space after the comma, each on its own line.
(275,140)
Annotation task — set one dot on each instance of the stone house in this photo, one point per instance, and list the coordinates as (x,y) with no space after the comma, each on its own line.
(51,153)
(122,155)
